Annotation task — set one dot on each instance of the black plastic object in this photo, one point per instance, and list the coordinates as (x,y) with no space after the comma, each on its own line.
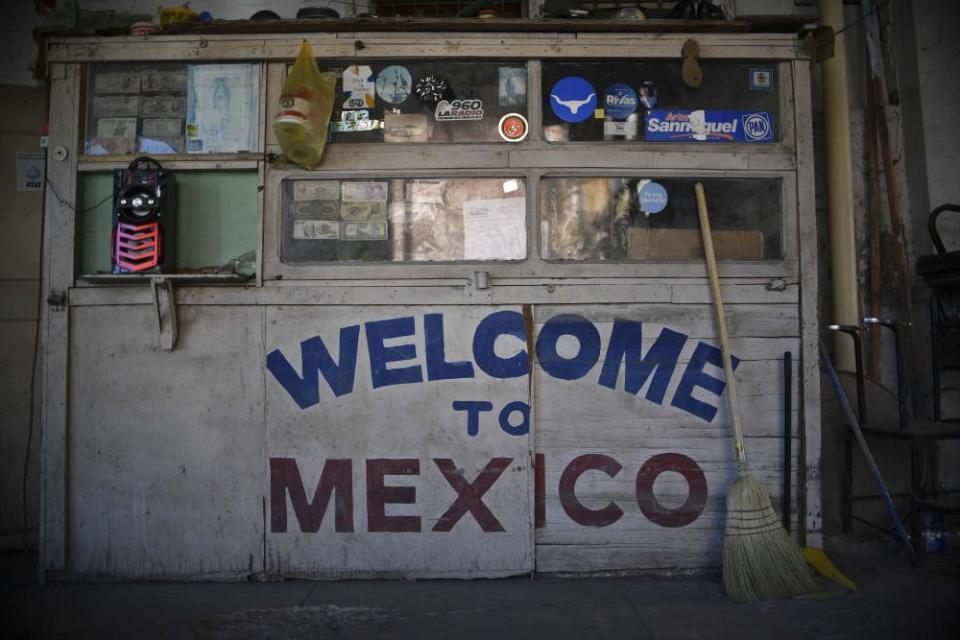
(143,216)
(709,11)
(265,14)
(317,12)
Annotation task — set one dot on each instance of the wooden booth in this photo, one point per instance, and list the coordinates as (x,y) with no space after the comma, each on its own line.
(477,340)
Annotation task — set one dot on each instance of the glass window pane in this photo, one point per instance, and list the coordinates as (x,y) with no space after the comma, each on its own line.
(428,101)
(215,223)
(656,219)
(404,219)
(172,108)
(621,100)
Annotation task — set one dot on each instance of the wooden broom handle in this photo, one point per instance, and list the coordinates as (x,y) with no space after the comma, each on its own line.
(721,323)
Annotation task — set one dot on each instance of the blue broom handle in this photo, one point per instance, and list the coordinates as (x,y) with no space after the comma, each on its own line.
(855,426)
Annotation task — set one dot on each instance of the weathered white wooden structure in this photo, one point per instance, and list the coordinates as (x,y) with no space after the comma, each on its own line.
(450,419)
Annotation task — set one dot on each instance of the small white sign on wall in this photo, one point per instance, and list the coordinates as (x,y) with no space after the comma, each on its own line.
(30,170)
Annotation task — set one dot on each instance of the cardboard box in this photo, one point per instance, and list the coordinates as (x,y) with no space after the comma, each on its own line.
(654,244)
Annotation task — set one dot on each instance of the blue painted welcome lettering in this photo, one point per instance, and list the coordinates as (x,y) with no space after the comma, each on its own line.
(653,369)
(626,341)
(305,388)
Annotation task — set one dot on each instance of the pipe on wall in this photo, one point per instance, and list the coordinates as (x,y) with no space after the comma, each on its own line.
(843,240)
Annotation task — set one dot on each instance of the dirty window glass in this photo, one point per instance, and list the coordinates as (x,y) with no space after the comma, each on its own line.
(619,100)
(404,220)
(172,108)
(429,101)
(656,219)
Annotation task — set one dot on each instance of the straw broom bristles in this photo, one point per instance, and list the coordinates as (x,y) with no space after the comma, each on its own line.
(760,560)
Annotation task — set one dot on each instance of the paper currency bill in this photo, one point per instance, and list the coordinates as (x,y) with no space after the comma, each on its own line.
(363,191)
(161,127)
(116,105)
(162,106)
(124,82)
(316,190)
(363,210)
(153,80)
(316,230)
(318,209)
(117,128)
(364,230)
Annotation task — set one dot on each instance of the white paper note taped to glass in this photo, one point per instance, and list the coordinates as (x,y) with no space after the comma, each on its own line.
(495,229)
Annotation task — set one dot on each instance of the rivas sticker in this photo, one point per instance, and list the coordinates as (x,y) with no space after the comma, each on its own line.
(459,110)
(663,125)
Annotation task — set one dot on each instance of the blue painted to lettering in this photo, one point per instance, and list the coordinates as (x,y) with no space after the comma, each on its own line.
(437,366)
(521,429)
(695,376)
(304,388)
(473,409)
(626,342)
(381,355)
(500,323)
(587,356)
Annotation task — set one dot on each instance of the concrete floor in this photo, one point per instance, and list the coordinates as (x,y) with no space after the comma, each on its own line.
(895,600)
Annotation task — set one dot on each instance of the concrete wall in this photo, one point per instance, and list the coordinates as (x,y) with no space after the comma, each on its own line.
(21,119)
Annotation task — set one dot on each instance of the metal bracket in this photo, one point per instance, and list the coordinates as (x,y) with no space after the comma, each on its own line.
(166,307)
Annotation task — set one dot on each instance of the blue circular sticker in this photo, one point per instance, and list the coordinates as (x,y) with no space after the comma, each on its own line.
(620,101)
(394,84)
(573,99)
(652,196)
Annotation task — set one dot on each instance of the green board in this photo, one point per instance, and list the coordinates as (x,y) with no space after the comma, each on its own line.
(216,219)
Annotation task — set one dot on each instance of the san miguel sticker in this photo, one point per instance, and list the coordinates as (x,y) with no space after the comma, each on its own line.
(513,127)
(673,125)
(459,110)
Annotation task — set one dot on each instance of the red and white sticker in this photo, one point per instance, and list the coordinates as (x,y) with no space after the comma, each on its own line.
(513,127)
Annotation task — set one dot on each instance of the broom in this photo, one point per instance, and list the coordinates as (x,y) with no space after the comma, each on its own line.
(760,560)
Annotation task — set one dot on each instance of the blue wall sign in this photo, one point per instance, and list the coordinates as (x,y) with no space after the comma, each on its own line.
(620,101)
(676,125)
(653,197)
(573,99)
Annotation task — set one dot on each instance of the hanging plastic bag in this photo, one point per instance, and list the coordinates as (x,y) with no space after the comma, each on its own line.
(306,102)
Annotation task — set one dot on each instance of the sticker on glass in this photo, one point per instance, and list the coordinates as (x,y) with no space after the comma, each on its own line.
(619,101)
(359,89)
(652,196)
(675,125)
(573,99)
(394,84)
(621,128)
(512,90)
(649,96)
(459,110)
(431,89)
(761,79)
(513,127)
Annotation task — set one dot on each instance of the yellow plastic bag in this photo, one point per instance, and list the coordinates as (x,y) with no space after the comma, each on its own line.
(306,102)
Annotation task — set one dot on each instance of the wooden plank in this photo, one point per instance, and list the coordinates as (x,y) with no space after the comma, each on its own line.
(735,293)
(364,425)
(440,44)
(810,498)
(58,242)
(164,444)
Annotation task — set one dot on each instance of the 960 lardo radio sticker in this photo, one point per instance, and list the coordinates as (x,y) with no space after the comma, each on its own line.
(448,110)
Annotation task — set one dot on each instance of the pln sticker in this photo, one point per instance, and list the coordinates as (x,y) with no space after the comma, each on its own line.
(620,101)
(761,79)
(394,84)
(513,127)
(573,99)
(652,196)
(358,87)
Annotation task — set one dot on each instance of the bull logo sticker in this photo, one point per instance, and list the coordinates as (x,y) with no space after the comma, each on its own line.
(573,99)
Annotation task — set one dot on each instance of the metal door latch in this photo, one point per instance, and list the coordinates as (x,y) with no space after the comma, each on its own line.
(166,308)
